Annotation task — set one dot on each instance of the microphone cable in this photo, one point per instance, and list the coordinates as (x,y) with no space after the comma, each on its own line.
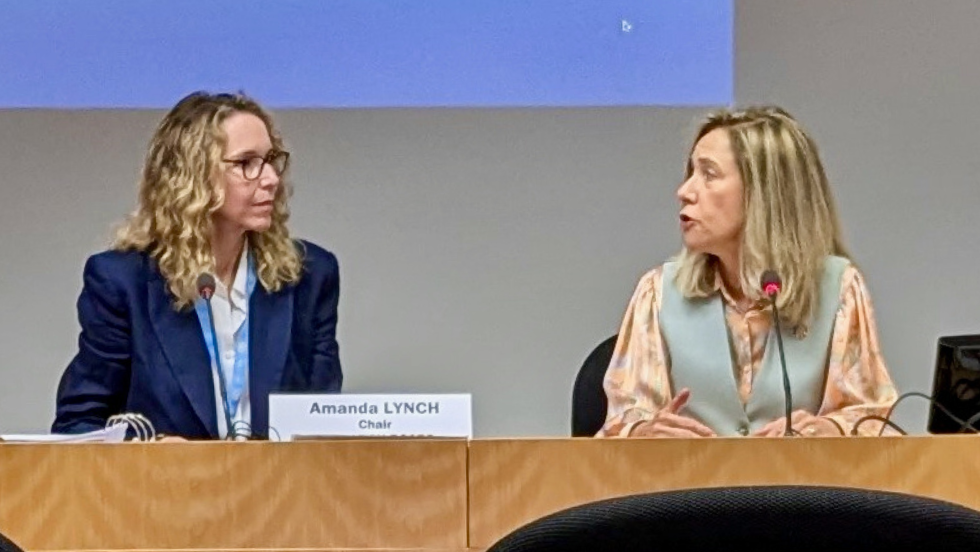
(886,419)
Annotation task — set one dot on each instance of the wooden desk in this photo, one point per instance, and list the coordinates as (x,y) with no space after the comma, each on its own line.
(312,495)
(513,481)
(437,495)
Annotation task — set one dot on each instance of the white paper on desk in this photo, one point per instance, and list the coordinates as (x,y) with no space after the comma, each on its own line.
(113,434)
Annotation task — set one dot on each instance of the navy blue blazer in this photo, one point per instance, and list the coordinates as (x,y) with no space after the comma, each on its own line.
(136,353)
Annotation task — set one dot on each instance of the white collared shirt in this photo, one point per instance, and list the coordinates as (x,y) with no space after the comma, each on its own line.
(230,311)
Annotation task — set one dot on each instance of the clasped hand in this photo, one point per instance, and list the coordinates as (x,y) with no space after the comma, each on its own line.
(803,423)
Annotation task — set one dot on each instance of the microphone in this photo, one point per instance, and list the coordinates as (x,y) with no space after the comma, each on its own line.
(206,285)
(771,285)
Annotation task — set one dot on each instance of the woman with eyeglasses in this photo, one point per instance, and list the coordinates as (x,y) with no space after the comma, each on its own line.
(204,305)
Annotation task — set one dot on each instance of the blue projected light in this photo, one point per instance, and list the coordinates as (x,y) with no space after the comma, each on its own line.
(367,53)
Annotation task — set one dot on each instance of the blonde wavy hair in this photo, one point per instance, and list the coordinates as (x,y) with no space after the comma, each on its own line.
(791,223)
(180,191)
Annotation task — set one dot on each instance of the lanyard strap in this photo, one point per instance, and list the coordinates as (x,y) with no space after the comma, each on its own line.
(232,385)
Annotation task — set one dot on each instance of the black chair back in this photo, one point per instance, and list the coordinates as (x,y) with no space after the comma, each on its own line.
(588,397)
(7,545)
(787,518)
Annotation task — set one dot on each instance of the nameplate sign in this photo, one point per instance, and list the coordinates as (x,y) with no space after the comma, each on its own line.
(402,415)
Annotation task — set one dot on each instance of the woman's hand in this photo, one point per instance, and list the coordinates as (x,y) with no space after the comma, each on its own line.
(804,423)
(669,423)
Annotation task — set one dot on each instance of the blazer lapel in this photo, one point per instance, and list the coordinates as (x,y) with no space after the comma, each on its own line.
(183,346)
(270,319)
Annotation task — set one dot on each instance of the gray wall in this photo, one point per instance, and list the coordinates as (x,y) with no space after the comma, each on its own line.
(489,250)
(889,89)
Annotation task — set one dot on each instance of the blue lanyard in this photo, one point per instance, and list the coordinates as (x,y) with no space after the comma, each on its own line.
(236,383)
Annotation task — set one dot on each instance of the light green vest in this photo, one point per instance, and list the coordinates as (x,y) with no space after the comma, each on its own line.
(701,357)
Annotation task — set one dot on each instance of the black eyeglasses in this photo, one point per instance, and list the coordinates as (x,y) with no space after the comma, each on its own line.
(252,167)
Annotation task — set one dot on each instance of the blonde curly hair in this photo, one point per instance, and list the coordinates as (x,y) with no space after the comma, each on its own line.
(179,192)
(791,222)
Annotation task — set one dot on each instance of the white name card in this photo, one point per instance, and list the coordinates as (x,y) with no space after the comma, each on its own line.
(403,415)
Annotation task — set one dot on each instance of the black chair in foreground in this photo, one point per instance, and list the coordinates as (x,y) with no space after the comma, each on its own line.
(588,397)
(7,545)
(786,518)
